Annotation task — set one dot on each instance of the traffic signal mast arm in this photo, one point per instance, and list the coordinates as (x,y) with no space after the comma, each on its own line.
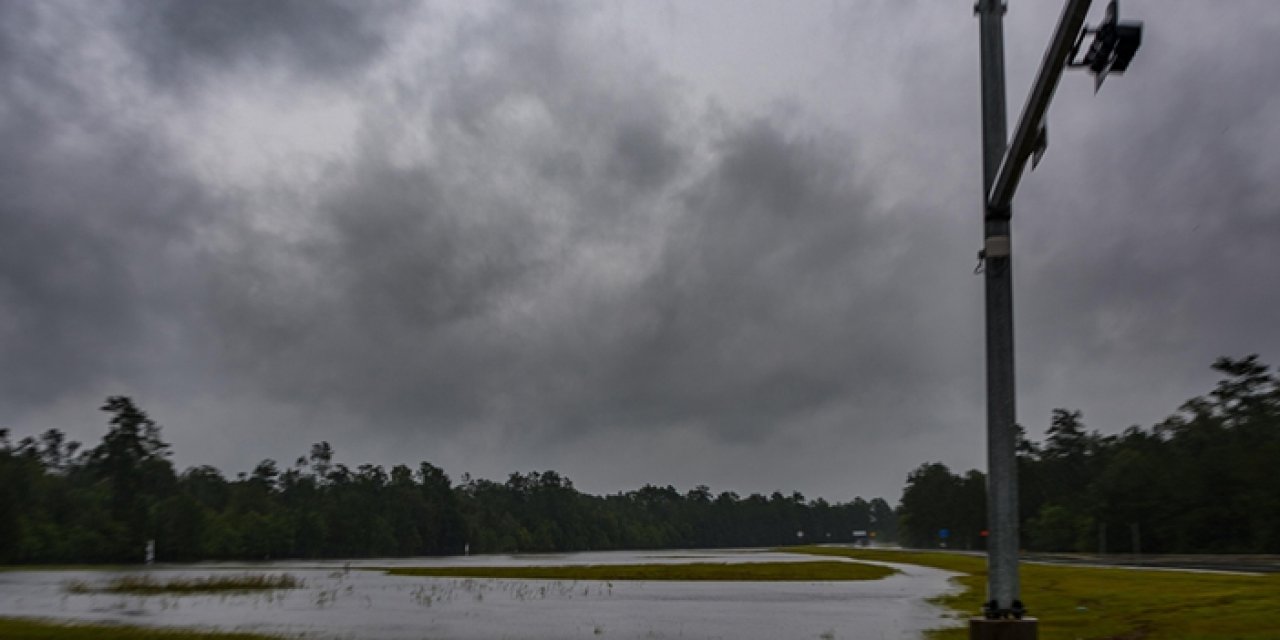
(1031,124)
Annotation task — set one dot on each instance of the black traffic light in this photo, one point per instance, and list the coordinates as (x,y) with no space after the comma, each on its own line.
(1113,46)
(1128,39)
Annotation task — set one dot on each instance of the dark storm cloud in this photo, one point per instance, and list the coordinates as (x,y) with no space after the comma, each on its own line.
(644,156)
(445,295)
(418,266)
(94,231)
(382,308)
(749,297)
(179,39)
(539,237)
(1156,249)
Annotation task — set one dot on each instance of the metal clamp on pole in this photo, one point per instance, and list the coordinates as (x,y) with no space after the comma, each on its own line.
(996,247)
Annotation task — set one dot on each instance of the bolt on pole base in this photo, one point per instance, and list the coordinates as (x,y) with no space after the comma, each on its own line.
(985,629)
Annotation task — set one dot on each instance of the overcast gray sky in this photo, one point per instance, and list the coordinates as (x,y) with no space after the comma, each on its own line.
(725,243)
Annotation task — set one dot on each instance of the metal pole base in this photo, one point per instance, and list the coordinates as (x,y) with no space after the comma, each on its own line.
(984,629)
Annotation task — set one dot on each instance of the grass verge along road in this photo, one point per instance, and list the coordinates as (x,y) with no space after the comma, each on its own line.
(31,629)
(1094,603)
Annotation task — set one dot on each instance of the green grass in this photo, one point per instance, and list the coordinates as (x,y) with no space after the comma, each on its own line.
(146,585)
(702,571)
(1091,603)
(30,629)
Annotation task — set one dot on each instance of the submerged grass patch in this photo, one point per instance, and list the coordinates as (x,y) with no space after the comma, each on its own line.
(701,571)
(147,585)
(30,629)
(1108,603)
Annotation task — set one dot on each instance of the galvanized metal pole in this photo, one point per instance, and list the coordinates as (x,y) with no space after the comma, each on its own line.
(1002,473)
(1031,124)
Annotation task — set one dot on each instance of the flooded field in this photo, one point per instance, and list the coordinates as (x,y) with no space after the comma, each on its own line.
(346,600)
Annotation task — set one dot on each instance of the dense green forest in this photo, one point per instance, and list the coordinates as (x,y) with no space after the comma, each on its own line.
(1207,479)
(1203,480)
(62,503)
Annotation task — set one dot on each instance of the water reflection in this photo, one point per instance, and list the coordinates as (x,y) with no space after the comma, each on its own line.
(342,600)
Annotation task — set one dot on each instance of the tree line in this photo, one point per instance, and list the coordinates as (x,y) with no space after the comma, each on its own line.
(1206,479)
(61,503)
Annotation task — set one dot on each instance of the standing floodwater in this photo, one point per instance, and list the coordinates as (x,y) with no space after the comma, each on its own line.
(341,600)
